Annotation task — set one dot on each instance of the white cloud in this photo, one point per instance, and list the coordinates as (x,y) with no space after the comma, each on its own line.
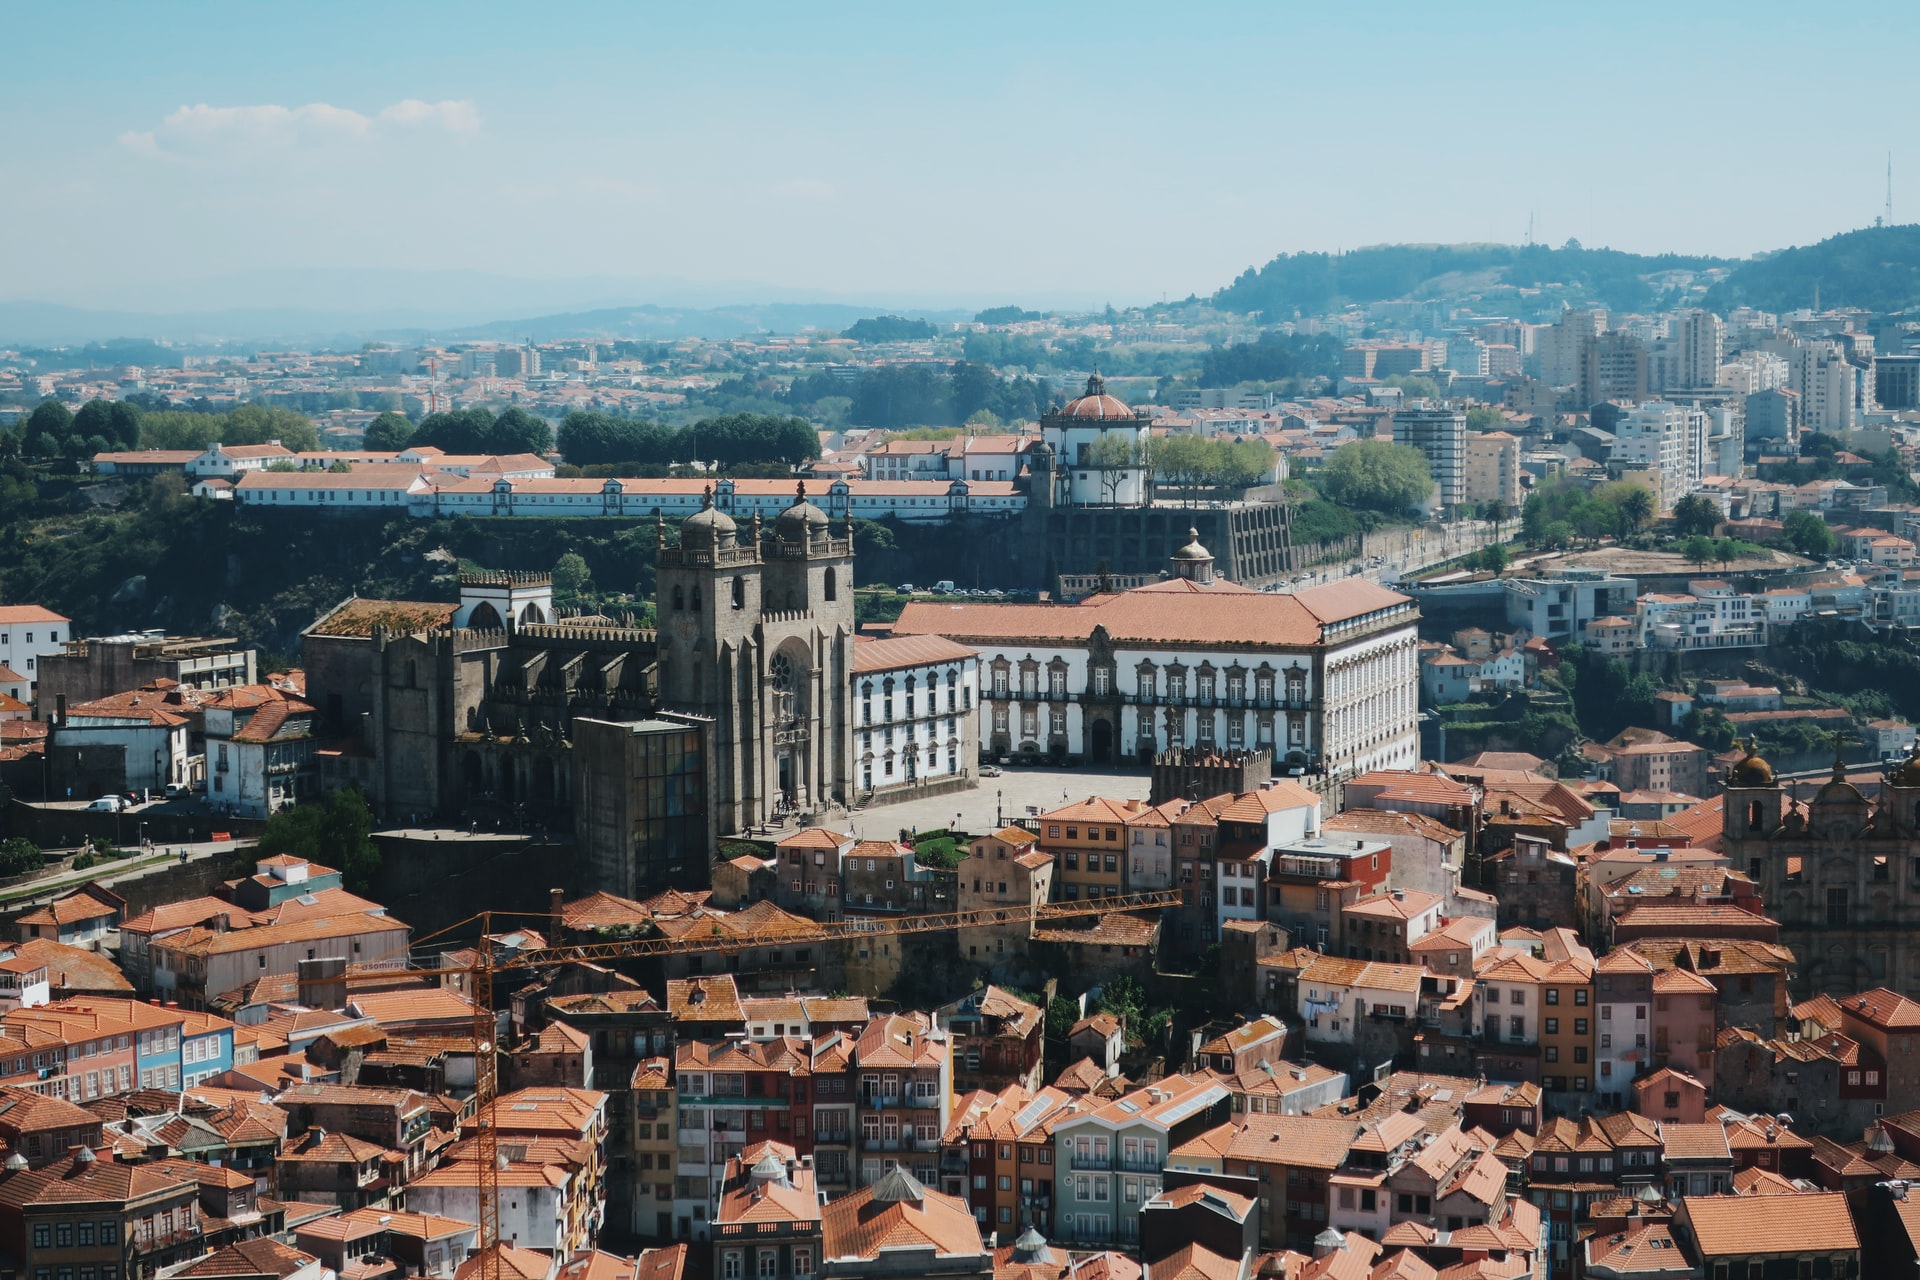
(203,131)
(453,115)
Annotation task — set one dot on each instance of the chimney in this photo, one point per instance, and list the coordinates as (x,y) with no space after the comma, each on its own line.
(60,709)
(554,899)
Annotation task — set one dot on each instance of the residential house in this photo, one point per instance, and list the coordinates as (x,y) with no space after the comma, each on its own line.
(1107,1161)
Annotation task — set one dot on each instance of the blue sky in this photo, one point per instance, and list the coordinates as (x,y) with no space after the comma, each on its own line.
(918,153)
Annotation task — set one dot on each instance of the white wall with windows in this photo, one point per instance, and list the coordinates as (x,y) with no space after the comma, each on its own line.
(916,724)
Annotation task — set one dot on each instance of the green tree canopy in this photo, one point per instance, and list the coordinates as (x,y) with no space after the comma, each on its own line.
(388,433)
(1414,387)
(263,424)
(18,856)
(1808,534)
(1377,476)
(1484,417)
(570,577)
(889,329)
(333,832)
(114,421)
(1694,514)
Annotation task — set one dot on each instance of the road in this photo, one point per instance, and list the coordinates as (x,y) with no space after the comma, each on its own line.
(1420,548)
(111,870)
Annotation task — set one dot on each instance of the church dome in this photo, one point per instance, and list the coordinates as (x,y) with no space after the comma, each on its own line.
(1097,404)
(802,521)
(708,528)
(1907,772)
(1191,549)
(1751,771)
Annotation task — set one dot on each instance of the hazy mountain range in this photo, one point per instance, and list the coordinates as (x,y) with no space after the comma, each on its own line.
(1876,268)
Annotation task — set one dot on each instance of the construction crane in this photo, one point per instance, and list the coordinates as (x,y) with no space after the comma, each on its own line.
(480,977)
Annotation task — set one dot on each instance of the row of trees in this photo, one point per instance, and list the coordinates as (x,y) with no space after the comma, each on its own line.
(53,431)
(894,396)
(591,438)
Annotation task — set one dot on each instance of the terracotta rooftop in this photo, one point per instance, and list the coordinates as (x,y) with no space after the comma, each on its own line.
(1743,1226)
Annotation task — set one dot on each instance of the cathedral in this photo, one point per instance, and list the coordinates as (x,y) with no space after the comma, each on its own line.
(1839,872)
(757,635)
(484,709)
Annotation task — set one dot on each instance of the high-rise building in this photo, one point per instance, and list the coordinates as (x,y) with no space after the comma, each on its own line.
(1689,356)
(1896,381)
(1753,371)
(1439,432)
(1826,381)
(1493,468)
(1560,347)
(1669,440)
(1613,366)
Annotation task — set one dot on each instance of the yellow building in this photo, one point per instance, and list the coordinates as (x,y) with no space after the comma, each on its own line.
(1088,841)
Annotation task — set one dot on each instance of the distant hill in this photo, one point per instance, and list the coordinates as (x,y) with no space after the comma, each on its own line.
(1303,284)
(667,323)
(1877,268)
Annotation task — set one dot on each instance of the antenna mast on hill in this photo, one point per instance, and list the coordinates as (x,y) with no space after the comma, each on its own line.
(1889,213)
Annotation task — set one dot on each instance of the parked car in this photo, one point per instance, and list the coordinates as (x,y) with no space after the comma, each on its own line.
(178,789)
(943,587)
(906,588)
(989,770)
(107,804)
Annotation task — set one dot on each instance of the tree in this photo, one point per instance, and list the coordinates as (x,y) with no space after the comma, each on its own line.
(1808,534)
(889,329)
(1494,558)
(571,579)
(1180,458)
(517,431)
(1694,514)
(113,420)
(339,467)
(388,433)
(18,856)
(1637,508)
(1377,476)
(1415,387)
(1698,549)
(264,424)
(1484,417)
(47,428)
(1113,455)
(328,832)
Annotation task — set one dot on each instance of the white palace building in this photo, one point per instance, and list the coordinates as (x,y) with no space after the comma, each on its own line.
(1327,678)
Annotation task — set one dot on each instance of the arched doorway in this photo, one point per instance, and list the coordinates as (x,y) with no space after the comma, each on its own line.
(1101,744)
(471,773)
(485,618)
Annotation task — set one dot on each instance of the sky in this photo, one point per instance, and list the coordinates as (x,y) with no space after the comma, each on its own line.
(191,155)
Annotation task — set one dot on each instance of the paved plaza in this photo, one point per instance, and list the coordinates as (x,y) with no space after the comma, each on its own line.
(1010,795)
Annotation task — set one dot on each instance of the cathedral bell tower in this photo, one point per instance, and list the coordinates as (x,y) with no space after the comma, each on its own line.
(758,635)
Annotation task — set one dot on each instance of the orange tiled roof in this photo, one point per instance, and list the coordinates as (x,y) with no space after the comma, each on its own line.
(1744,1226)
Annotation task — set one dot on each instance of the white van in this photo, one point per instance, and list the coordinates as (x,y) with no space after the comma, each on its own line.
(108,804)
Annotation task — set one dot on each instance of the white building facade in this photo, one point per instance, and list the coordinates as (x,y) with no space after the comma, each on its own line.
(27,634)
(1326,678)
(916,701)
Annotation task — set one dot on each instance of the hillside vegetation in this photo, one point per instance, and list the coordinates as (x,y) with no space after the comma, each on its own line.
(1877,268)
(1304,284)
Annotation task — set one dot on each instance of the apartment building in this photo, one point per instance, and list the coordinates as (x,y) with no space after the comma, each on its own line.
(1439,432)
(1493,469)
(1108,1162)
